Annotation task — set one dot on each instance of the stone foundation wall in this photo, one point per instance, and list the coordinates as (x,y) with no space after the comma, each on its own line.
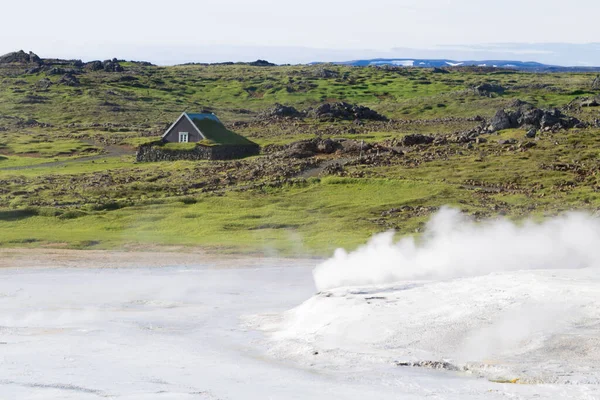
(152,153)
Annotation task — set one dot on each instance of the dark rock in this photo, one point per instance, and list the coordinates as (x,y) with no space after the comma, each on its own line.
(416,139)
(94,66)
(281,111)
(112,66)
(526,115)
(20,57)
(531,133)
(345,111)
(262,63)
(69,80)
(487,89)
(440,71)
(500,121)
(325,73)
(527,145)
(43,84)
(327,146)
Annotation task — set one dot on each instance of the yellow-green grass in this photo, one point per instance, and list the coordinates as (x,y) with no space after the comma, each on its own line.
(311,219)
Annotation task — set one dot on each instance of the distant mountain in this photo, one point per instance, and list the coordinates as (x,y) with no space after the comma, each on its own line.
(427,63)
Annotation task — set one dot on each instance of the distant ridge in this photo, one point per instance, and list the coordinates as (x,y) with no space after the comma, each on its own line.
(430,63)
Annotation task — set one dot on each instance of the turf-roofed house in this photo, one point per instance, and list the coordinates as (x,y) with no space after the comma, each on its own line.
(198,137)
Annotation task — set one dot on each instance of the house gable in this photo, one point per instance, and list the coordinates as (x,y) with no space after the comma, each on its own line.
(183,125)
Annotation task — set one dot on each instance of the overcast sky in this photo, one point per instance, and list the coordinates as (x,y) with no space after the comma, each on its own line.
(290,31)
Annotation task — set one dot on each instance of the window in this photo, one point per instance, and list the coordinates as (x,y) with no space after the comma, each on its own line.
(183,137)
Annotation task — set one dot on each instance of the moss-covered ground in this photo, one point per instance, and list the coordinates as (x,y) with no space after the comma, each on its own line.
(68,177)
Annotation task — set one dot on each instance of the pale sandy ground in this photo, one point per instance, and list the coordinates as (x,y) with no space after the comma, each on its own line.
(164,257)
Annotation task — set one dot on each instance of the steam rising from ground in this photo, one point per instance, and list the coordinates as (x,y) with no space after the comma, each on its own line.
(455,246)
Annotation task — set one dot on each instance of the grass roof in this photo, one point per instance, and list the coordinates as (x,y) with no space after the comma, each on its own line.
(216,132)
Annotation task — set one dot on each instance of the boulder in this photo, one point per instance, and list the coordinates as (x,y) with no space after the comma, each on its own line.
(500,121)
(531,133)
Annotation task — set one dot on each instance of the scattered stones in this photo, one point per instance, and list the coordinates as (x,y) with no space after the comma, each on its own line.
(506,142)
(438,365)
(527,145)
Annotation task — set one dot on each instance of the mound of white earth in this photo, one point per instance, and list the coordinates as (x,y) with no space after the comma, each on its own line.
(538,326)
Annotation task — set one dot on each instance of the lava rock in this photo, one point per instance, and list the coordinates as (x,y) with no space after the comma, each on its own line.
(281,111)
(345,111)
(69,80)
(416,139)
(500,121)
(531,133)
(262,63)
(20,57)
(43,84)
(487,89)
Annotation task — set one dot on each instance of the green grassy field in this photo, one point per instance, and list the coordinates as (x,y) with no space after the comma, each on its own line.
(68,177)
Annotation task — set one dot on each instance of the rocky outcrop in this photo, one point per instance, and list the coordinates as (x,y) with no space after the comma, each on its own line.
(281,111)
(112,66)
(20,57)
(107,66)
(156,152)
(487,89)
(94,66)
(500,121)
(262,63)
(69,80)
(43,84)
(525,115)
(344,111)
(416,139)
(596,83)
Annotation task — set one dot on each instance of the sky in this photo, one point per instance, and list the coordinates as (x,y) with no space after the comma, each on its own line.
(174,31)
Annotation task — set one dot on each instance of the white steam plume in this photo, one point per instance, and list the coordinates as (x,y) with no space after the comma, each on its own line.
(455,246)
